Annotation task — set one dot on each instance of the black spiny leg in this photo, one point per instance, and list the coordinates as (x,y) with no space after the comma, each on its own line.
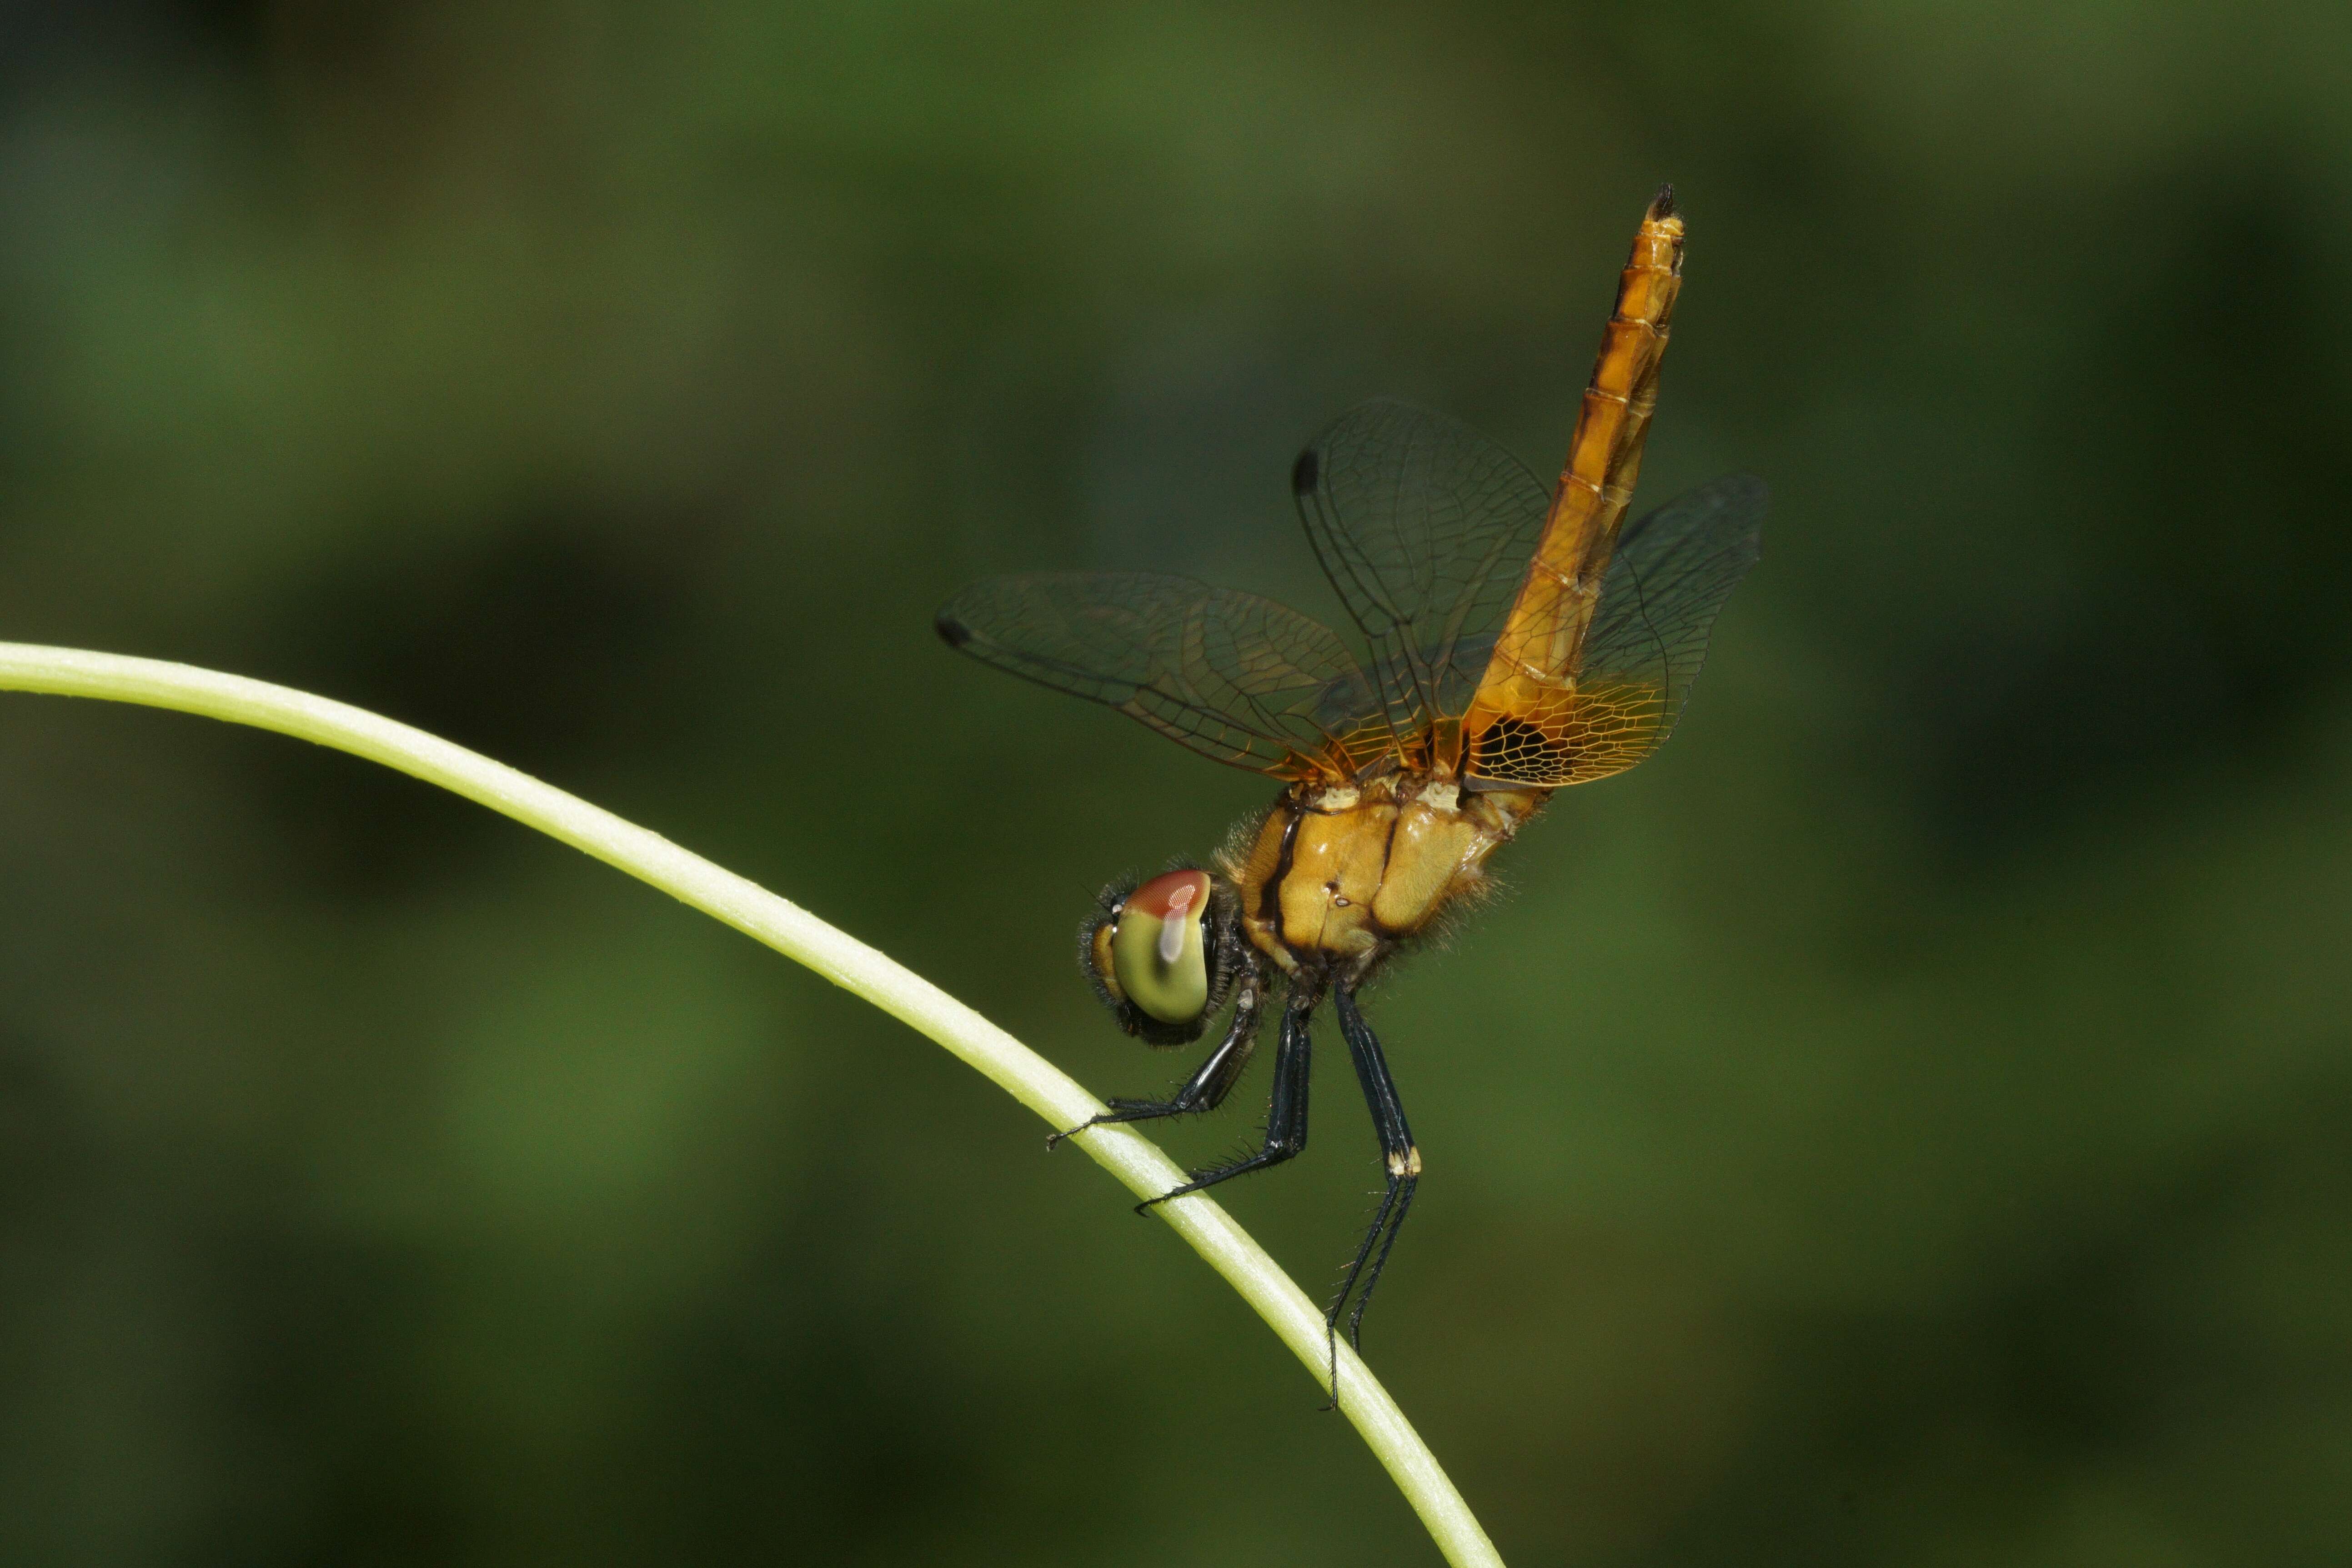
(1397,1153)
(1286,1116)
(1205,1090)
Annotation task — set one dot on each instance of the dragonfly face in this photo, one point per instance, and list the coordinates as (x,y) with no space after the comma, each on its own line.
(1163,954)
(1520,640)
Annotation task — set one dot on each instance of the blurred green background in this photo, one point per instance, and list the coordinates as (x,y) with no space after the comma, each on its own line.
(1908,1121)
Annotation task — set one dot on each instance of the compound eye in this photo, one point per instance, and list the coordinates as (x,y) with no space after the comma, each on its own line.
(1158,956)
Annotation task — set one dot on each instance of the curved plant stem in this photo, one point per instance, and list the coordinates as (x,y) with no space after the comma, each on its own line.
(846,962)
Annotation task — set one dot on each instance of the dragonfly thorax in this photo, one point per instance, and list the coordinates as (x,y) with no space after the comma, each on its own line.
(1335,878)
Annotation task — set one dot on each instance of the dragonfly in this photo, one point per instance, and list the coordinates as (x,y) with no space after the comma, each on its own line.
(1519,641)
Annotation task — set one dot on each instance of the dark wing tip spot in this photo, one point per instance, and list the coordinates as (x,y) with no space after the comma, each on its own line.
(1304,472)
(953,632)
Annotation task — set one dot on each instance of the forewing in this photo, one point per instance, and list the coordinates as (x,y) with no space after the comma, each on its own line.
(1233,676)
(1425,528)
(1673,570)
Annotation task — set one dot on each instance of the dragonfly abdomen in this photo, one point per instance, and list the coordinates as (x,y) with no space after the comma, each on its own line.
(1518,723)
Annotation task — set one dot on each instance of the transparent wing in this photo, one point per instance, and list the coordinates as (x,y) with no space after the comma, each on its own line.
(1233,677)
(1669,578)
(1425,528)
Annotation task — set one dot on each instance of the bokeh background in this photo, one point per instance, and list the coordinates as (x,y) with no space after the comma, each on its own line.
(1908,1121)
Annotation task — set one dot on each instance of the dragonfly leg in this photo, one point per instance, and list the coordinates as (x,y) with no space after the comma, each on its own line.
(1398,1154)
(1286,1117)
(1205,1090)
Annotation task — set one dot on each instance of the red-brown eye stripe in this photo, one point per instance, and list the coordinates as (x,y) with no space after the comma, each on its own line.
(1163,893)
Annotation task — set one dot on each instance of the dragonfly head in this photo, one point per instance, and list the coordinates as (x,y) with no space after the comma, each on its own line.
(1162,953)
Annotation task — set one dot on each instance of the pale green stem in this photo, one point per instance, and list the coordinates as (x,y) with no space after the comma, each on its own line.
(847,962)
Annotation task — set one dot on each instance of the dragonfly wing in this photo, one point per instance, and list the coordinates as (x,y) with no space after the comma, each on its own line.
(1234,677)
(1425,528)
(1672,571)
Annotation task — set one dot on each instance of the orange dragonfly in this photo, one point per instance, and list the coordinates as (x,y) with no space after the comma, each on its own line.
(1520,642)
